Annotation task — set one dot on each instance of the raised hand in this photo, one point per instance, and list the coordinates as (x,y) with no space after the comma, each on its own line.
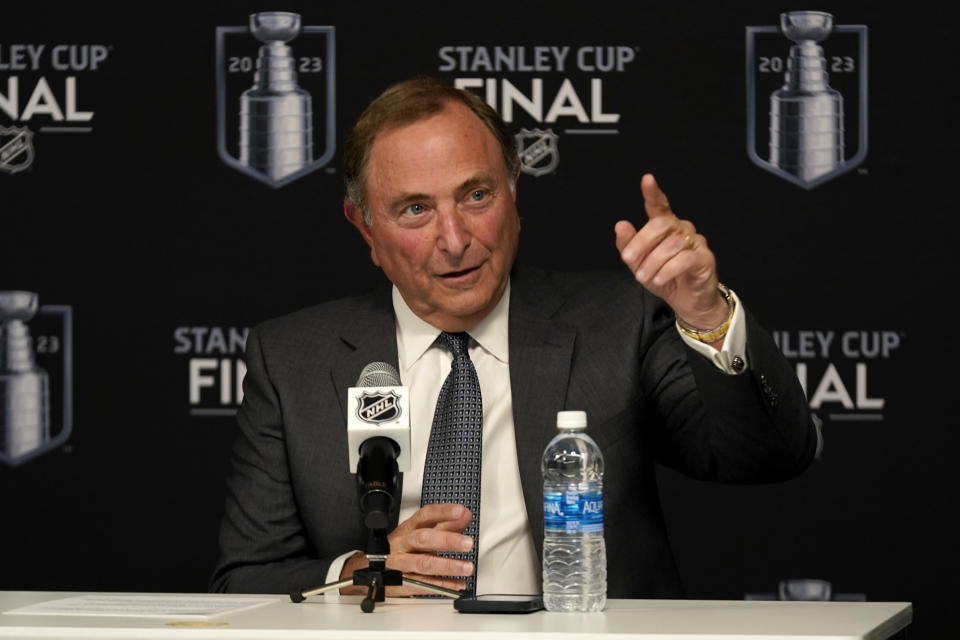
(673,261)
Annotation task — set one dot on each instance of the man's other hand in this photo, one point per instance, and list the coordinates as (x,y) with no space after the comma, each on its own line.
(413,547)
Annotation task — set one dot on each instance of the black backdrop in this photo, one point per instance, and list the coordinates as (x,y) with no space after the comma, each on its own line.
(137,234)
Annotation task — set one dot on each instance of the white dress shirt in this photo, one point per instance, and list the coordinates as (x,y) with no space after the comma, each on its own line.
(507,560)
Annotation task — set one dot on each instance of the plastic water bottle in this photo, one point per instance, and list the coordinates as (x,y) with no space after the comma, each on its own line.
(574,556)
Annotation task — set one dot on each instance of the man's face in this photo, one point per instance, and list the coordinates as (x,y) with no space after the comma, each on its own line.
(445,225)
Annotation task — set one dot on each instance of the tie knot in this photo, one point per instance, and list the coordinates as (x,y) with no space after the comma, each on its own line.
(455,343)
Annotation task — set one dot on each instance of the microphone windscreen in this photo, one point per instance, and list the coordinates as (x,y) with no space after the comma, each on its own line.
(378,374)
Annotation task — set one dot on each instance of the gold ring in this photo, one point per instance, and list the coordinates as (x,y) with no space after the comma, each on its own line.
(687,238)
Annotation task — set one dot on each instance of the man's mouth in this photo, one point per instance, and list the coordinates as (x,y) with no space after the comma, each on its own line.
(458,274)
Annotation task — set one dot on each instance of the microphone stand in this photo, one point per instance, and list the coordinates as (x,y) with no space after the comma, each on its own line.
(376,577)
(377,485)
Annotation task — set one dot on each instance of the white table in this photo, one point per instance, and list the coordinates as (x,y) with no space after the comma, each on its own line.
(340,617)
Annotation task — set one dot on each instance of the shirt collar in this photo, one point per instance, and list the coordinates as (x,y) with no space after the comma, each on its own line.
(415,336)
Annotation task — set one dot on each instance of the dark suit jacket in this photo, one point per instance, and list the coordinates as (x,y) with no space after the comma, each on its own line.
(593,342)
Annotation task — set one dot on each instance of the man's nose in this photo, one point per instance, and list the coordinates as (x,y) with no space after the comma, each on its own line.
(453,235)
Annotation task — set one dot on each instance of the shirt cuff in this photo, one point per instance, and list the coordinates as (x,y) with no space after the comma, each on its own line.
(732,358)
(333,573)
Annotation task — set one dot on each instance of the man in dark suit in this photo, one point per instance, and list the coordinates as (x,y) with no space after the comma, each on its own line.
(669,370)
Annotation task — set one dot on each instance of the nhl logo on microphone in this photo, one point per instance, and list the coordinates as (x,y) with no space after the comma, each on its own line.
(379,407)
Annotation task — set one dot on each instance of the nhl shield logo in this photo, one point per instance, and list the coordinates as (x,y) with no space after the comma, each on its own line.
(538,151)
(378,407)
(36,387)
(275,97)
(16,149)
(807,97)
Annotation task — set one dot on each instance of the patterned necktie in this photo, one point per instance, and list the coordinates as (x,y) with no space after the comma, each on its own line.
(452,469)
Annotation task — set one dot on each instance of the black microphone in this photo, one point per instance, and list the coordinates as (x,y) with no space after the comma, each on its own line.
(378,434)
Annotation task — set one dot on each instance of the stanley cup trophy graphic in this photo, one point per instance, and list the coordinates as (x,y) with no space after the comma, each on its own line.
(276,136)
(806,115)
(24,388)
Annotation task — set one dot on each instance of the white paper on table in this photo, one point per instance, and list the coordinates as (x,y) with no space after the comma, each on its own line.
(142,606)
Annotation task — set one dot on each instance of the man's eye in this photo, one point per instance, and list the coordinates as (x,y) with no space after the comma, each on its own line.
(478,195)
(415,209)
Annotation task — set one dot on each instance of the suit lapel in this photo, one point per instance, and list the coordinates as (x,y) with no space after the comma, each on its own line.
(541,352)
(368,335)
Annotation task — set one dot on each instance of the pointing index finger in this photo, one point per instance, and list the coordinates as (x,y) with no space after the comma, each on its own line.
(654,200)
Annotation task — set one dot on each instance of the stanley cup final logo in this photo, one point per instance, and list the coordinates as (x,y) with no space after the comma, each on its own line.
(807,110)
(35,376)
(275,97)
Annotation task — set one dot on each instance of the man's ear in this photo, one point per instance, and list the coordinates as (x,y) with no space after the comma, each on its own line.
(355,215)
(516,181)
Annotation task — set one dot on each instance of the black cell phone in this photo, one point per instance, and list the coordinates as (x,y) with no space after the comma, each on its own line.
(499,603)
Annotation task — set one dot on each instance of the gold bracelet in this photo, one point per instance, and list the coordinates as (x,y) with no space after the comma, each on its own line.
(719,332)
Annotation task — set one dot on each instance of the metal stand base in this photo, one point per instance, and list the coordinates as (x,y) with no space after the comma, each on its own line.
(377,506)
(376,578)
